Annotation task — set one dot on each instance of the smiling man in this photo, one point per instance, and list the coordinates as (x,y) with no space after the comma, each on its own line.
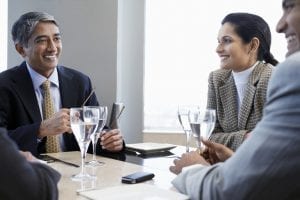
(36,96)
(266,166)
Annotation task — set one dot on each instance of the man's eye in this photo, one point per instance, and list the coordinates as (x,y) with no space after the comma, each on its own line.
(57,39)
(41,41)
(288,6)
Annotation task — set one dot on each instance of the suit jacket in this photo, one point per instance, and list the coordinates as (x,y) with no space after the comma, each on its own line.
(266,165)
(19,110)
(21,179)
(231,125)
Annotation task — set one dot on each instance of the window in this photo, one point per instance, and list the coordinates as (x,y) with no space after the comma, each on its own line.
(180,42)
(3,35)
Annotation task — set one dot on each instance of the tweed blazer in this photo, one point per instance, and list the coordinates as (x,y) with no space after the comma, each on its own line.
(231,125)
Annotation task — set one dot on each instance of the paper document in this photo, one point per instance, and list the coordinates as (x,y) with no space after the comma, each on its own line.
(149,147)
(139,191)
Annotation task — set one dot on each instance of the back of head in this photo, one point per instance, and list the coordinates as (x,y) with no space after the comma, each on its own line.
(25,25)
(248,26)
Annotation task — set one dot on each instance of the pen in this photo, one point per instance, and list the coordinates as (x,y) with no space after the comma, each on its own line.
(67,163)
(93,90)
(62,161)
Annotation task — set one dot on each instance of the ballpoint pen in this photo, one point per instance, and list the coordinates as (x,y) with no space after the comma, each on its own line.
(93,90)
(50,159)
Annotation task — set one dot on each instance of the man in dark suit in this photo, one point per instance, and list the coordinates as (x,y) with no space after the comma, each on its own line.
(21,179)
(37,39)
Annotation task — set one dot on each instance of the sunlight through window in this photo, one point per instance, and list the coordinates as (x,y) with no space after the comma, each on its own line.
(180,42)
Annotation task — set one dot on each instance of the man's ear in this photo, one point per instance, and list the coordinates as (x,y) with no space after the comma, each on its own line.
(20,49)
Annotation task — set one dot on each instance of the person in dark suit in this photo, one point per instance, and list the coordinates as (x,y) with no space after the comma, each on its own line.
(22,179)
(37,39)
(266,165)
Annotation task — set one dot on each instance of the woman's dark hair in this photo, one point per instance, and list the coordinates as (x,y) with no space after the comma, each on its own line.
(248,26)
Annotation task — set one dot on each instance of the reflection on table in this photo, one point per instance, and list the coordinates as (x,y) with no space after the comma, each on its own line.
(110,173)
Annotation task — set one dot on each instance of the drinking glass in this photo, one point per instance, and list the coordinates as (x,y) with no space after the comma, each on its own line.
(202,122)
(95,136)
(208,123)
(183,112)
(83,123)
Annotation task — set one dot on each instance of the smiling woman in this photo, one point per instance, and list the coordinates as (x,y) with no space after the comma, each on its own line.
(180,51)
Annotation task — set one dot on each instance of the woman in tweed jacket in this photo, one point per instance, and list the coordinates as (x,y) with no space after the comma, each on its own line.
(238,90)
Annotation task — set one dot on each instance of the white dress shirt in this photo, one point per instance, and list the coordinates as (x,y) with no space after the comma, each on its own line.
(37,81)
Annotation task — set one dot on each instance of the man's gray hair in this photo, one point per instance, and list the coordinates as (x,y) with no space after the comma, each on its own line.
(25,25)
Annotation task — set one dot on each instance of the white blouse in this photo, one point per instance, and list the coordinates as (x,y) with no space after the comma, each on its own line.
(241,80)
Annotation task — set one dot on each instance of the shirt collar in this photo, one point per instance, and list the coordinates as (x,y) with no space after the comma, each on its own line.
(241,77)
(38,79)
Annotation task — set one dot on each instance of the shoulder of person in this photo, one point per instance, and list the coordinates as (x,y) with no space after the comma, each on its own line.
(12,72)
(290,66)
(220,74)
(71,71)
(265,70)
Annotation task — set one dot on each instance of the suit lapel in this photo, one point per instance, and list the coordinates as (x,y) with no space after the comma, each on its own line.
(249,96)
(229,101)
(24,88)
(65,86)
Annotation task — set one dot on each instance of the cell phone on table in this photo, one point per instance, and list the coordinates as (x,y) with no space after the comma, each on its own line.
(137,177)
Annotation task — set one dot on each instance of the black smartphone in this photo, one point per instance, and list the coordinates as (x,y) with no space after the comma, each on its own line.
(137,177)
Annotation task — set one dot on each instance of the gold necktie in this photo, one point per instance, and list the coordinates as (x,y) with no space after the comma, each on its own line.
(52,144)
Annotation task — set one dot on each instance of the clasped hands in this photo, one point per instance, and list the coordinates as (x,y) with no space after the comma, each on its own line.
(59,123)
(213,153)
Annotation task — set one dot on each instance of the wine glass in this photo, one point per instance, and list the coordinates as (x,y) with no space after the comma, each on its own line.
(183,112)
(95,136)
(202,122)
(83,123)
(208,123)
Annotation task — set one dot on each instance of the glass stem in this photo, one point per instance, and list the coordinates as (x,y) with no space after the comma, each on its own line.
(83,154)
(94,141)
(187,134)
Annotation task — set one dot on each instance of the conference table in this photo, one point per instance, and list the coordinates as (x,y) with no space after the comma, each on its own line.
(109,174)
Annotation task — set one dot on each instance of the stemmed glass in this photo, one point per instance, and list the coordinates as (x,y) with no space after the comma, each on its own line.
(95,136)
(183,112)
(202,124)
(83,123)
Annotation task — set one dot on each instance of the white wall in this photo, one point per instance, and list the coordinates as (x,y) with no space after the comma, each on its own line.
(131,65)
(92,44)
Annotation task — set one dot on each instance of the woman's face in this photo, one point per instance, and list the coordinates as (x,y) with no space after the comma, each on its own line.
(233,52)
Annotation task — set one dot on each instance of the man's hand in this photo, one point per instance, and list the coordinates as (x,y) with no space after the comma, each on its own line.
(187,159)
(59,123)
(29,157)
(112,140)
(216,152)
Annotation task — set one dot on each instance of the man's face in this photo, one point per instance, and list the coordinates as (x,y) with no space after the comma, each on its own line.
(43,49)
(289,24)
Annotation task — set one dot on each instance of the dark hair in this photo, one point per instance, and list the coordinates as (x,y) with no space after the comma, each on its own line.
(248,26)
(25,25)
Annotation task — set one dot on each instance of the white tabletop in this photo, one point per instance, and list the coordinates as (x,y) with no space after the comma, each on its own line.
(108,174)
